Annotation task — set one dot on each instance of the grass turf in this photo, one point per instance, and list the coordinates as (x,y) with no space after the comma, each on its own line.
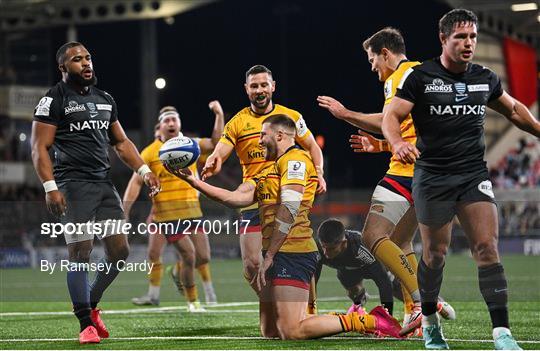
(234,323)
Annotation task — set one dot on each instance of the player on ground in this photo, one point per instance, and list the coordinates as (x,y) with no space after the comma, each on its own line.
(447,97)
(391,223)
(177,202)
(343,250)
(285,192)
(79,121)
(241,135)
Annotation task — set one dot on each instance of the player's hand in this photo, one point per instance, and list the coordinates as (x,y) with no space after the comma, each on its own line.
(365,142)
(261,275)
(184,174)
(321,187)
(215,106)
(56,203)
(211,167)
(335,107)
(152,182)
(405,152)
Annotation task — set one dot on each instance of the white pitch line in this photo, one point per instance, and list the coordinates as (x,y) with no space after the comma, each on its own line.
(132,338)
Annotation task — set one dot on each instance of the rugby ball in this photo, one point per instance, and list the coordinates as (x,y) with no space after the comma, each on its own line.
(179,152)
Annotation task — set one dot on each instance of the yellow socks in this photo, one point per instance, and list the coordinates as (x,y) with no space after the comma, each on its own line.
(204,272)
(358,323)
(191,293)
(156,273)
(393,258)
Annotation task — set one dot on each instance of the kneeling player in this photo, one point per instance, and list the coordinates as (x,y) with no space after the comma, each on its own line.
(285,192)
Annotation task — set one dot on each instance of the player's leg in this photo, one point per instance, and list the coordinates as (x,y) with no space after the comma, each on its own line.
(202,263)
(185,248)
(267,318)
(480,223)
(251,245)
(377,273)
(387,207)
(156,244)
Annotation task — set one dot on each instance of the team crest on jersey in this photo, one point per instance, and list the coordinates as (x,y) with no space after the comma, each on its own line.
(388,89)
(72,107)
(438,86)
(461,88)
(93,110)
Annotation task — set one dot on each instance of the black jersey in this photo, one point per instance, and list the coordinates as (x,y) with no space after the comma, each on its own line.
(356,256)
(448,114)
(82,137)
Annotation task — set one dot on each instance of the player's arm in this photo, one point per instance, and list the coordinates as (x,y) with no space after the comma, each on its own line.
(370,122)
(396,112)
(243,196)
(42,139)
(208,144)
(213,163)
(365,142)
(310,145)
(517,113)
(291,198)
(132,192)
(126,150)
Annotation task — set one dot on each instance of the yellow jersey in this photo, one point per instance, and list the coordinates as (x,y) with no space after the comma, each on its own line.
(243,131)
(293,167)
(177,199)
(408,133)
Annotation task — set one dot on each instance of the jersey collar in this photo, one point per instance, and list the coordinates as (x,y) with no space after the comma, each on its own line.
(400,62)
(289,149)
(263,114)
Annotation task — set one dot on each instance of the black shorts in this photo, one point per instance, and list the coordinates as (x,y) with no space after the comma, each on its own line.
(436,195)
(90,202)
(293,269)
(354,276)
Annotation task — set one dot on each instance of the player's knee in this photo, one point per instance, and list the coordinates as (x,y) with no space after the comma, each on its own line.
(485,251)
(119,253)
(436,255)
(290,333)
(81,255)
(204,259)
(154,255)
(269,331)
(188,259)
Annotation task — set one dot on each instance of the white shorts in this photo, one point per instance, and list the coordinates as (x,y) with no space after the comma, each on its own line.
(86,231)
(388,204)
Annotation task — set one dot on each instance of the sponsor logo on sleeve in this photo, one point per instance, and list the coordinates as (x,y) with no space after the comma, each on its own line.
(438,86)
(301,127)
(296,170)
(44,106)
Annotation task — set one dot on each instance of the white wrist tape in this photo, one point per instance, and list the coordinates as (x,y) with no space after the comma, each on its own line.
(143,170)
(291,199)
(283,227)
(50,185)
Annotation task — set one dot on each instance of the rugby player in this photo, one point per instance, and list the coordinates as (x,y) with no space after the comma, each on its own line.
(80,121)
(241,135)
(447,97)
(177,202)
(285,192)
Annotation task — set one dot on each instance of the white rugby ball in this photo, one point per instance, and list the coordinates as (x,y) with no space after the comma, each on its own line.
(179,152)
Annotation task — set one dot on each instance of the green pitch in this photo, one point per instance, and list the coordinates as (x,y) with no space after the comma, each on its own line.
(35,312)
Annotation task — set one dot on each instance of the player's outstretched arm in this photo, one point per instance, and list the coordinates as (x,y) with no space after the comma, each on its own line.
(365,142)
(243,196)
(132,193)
(368,121)
(517,113)
(42,139)
(126,150)
(215,160)
(396,112)
(208,144)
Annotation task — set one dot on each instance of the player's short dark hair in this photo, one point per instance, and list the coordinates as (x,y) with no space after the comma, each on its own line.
(61,52)
(331,231)
(258,69)
(389,38)
(456,16)
(282,121)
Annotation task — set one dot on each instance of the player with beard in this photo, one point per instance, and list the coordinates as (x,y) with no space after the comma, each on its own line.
(241,135)
(285,191)
(80,121)
(177,203)
(447,98)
